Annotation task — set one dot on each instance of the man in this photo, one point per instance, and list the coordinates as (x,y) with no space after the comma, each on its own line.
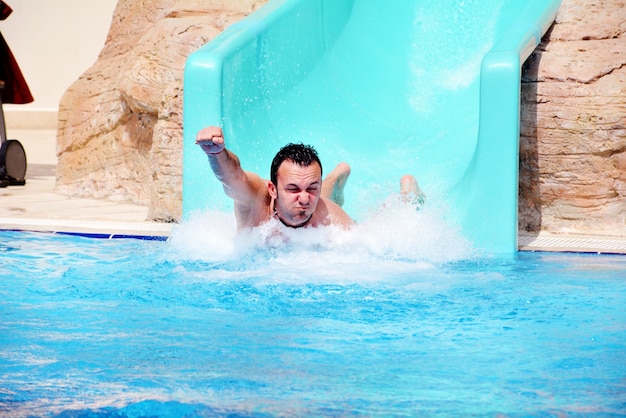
(295,195)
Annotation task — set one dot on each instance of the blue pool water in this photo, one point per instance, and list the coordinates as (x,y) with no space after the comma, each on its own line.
(317,326)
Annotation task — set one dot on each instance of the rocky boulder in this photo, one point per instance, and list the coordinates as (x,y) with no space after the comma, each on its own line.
(573,124)
(120,124)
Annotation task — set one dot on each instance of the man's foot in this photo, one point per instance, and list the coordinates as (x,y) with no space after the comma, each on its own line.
(335,181)
(410,191)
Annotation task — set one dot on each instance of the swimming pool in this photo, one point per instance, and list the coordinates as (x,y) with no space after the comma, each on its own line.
(127,327)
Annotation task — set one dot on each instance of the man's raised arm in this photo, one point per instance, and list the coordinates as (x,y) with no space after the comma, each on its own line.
(241,186)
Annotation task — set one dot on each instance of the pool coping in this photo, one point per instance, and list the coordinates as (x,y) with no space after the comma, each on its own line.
(552,242)
(90,228)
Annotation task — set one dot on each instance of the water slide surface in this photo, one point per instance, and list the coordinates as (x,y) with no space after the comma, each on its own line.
(427,87)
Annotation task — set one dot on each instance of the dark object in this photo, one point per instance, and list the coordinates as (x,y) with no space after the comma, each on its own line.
(13,89)
(12,156)
(5,10)
(13,163)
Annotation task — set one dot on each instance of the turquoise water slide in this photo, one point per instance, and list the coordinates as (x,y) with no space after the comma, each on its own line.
(427,87)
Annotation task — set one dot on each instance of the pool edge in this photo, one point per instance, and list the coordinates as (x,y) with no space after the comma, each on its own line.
(550,242)
(547,242)
(90,228)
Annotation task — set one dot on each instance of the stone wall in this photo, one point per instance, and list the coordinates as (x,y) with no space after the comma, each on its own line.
(573,124)
(120,126)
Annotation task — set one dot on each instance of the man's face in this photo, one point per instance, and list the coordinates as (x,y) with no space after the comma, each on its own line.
(297,192)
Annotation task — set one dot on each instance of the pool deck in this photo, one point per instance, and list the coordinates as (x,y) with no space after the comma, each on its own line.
(572,243)
(36,207)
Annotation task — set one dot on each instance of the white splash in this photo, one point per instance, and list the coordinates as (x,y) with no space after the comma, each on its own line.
(395,238)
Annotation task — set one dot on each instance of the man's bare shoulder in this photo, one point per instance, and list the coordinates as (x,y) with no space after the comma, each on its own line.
(258,185)
(334,214)
(254,210)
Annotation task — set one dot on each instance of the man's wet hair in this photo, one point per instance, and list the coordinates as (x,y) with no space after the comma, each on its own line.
(303,155)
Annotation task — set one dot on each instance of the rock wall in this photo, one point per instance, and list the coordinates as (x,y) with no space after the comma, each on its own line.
(120,126)
(573,124)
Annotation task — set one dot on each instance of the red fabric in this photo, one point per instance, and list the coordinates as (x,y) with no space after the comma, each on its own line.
(15,88)
(5,10)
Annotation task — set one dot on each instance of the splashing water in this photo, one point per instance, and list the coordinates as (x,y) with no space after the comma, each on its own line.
(394,237)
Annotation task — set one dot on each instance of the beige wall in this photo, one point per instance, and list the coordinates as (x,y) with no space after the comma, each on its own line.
(54,42)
